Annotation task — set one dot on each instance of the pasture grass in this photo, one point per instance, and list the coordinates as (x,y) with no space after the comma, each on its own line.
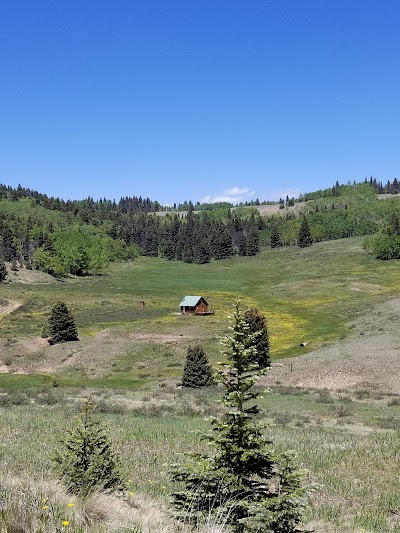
(353,463)
(308,295)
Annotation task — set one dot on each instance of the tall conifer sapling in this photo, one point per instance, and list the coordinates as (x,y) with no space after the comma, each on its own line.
(245,481)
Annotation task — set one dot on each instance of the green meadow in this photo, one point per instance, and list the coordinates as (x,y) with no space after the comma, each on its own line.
(329,280)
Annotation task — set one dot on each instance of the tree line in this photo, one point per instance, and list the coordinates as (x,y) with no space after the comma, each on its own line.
(83,237)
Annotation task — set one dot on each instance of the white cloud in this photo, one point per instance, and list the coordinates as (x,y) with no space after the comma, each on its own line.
(236,190)
(234,195)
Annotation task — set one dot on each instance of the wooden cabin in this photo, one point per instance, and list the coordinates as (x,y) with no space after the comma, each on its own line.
(194,305)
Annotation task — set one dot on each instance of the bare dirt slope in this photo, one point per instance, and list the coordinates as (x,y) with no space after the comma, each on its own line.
(7,307)
(24,275)
(368,359)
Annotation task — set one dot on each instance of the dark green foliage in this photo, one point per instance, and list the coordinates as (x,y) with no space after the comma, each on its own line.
(253,242)
(3,271)
(275,239)
(252,237)
(86,461)
(197,371)
(14,265)
(246,482)
(386,243)
(305,238)
(62,326)
(241,245)
(384,246)
(256,323)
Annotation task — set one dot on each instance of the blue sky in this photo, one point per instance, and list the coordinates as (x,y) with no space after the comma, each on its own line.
(197,99)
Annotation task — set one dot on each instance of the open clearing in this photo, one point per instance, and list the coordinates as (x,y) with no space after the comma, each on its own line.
(311,296)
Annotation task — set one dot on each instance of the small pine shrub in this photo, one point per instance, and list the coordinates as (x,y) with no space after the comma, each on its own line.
(62,324)
(197,371)
(14,265)
(86,461)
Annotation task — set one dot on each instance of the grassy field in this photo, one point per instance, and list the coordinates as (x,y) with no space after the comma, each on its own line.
(308,295)
(129,359)
(348,443)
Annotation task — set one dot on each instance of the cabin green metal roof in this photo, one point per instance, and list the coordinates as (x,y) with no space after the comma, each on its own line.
(190,301)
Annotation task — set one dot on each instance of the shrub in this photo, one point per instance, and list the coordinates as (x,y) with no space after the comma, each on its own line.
(197,371)
(86,460)
(62,326)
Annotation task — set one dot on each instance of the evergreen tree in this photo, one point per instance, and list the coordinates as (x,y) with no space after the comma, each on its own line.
(256,323)
(305,237)
(202,252)
(275,239)
(241,245)
(245,481)
(86,460)
(3,271)
(62,324)
(169,251)
(197,371)
(252,242)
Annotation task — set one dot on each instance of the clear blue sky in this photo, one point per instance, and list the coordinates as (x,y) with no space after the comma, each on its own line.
(188,99)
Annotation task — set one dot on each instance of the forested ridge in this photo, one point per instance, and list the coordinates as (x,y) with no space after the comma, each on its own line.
(84,236)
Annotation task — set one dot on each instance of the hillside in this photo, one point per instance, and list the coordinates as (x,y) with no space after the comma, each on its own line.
(84,237)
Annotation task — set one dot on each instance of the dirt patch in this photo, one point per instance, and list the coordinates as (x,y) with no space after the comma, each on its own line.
(24,275)
(370,358)
(7,307)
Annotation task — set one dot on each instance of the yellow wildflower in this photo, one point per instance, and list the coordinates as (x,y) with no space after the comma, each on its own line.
(163,487)
(71,505)
(45,507)
(65,523)
(131,493)
(45,500)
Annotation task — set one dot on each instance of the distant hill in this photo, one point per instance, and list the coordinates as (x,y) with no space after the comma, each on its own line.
(82,237)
